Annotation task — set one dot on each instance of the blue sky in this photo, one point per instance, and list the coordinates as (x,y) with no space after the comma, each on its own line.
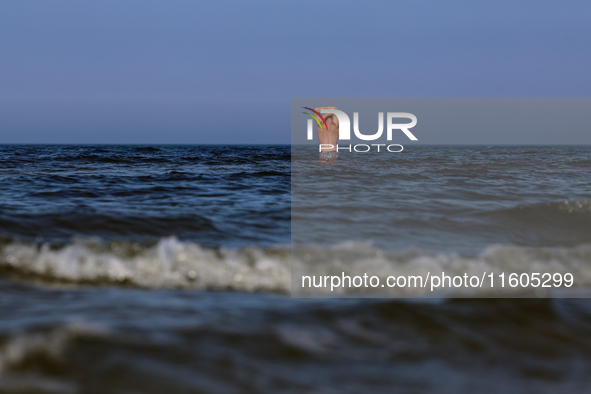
(225,71)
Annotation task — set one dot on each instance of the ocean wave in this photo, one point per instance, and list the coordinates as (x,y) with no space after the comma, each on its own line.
(356,259)
(109,224)
(172,263)
(561,209)
(29,361)
(50,345)
(552,223)
(168,264)
(207,346)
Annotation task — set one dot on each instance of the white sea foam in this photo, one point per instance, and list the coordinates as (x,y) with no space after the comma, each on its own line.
(175,264)
(169,264)
(357,259)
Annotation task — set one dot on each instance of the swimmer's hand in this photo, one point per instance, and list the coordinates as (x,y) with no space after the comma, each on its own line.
(328,115)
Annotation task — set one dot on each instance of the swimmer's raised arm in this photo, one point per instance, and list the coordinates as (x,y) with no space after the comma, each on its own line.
(328,137)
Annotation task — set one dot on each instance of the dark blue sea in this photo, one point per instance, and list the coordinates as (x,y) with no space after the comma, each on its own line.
(167,269)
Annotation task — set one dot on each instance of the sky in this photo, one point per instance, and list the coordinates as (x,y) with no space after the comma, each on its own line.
(153,72)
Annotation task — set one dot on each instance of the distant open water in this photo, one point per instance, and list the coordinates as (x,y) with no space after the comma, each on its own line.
(172,265)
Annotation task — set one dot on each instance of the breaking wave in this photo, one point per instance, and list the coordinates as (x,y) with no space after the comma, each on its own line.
(171,263)
(168,264)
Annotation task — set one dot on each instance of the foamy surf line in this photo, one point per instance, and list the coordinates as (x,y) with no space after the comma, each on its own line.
(168,264)
(175,264)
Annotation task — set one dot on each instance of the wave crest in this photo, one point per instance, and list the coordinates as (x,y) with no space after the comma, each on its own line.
(168,264)
(171,263)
